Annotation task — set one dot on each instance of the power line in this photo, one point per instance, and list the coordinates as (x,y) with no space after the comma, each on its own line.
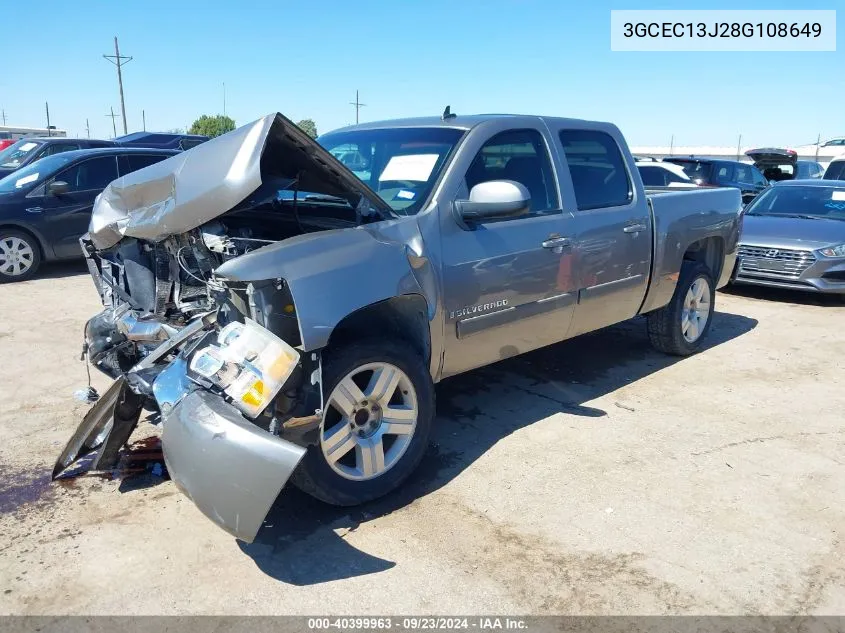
(113,117)
(117,60)
(358,105)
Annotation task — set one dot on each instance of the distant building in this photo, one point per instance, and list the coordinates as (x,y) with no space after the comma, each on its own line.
(8,132)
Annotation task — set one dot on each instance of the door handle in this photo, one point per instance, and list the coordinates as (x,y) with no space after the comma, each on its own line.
(557,243)
(34,209)
(634,228)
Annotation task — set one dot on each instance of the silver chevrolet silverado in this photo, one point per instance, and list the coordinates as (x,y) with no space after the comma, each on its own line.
(287,305)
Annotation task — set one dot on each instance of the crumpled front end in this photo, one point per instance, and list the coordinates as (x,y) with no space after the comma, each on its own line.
(224,391)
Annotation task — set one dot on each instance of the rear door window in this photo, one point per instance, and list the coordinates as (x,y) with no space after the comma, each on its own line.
(139,161)
(742,174)
(599,176)
(58,148)
(757,177)
(723,173)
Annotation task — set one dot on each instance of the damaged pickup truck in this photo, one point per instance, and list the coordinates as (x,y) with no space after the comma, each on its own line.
(288,315)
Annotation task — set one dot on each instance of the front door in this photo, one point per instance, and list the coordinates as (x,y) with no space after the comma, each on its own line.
(67,215)
(508,284)
(613,225)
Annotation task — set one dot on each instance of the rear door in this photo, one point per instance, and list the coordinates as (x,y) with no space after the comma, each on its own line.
(66,216)
(613,225)
(508,284)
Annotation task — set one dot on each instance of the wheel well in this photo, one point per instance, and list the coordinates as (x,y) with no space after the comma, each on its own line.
(710,252)
(35,238)
(402,318)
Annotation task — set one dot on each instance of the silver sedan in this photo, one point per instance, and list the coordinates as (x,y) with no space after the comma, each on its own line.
(793,236)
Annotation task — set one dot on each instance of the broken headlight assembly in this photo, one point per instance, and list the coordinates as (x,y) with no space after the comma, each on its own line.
(246,362)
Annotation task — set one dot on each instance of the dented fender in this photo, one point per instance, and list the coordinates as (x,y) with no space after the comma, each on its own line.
(332,274)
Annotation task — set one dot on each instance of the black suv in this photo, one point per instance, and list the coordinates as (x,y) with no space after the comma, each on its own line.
(712,172)
(28,150)
(45,207)
(161,140)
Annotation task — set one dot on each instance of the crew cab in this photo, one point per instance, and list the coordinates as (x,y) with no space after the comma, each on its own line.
(289,318)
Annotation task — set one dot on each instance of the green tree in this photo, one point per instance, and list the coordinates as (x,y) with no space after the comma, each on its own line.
(212,126)
(308,126)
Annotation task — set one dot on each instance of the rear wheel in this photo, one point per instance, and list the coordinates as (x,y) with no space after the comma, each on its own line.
(20,256)
(679,328)
(377,416)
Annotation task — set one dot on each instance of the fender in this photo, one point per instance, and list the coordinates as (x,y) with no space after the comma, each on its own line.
(334,273)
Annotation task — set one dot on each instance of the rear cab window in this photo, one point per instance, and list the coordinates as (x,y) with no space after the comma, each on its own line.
(599,176)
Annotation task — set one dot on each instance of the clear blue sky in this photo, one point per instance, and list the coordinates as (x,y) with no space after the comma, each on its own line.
(407,57)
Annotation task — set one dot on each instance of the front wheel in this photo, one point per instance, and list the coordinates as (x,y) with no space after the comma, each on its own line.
(679,328)
(20,256)
(377,417)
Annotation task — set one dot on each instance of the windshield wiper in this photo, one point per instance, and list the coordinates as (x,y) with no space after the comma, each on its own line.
(802,216)
(325,198)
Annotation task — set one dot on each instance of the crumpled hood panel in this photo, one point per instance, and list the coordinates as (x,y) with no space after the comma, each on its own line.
(196,186)
(184,191)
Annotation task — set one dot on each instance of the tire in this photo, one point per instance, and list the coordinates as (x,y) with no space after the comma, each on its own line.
(343,469)
(670,328)
(20,256)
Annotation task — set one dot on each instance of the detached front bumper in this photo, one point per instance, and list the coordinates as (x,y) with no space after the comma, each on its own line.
(231,469)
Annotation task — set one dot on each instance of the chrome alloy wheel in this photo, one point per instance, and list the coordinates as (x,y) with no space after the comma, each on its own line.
(16,256)
(696,310)
(369,421)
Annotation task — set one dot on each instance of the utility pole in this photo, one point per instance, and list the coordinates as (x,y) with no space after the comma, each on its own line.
(117,60)
(818,142)
(4,117)
(144,120)
(87,128)
(47,107)
(113,126)
(738,147)
(671,145)
(358,105)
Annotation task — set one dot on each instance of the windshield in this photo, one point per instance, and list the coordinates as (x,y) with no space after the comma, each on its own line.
(816,202)
(29,176)
(400,164)
(14,155)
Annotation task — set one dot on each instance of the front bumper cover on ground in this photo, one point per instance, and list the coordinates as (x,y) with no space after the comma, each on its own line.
(232,469)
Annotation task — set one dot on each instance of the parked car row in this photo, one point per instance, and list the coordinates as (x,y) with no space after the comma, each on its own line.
(28,150)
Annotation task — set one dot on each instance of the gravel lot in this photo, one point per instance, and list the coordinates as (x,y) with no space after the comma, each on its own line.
(595,476)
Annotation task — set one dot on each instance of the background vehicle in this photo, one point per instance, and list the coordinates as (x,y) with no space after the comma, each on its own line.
(28,150)
(793,236)
(834,142)
(836,169)
(783,164)
(805,169)
(660,174)
(6,140)
(472,239)
(45,207)
(17,133)
(161,140)
(723,173)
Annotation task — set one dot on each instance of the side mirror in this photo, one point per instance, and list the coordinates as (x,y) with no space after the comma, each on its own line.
(57,188)
(493,200)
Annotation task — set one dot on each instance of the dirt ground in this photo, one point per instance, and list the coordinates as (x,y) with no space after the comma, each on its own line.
(592,477)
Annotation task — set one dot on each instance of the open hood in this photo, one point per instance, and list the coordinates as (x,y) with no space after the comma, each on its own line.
(775,163)
(237,170)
